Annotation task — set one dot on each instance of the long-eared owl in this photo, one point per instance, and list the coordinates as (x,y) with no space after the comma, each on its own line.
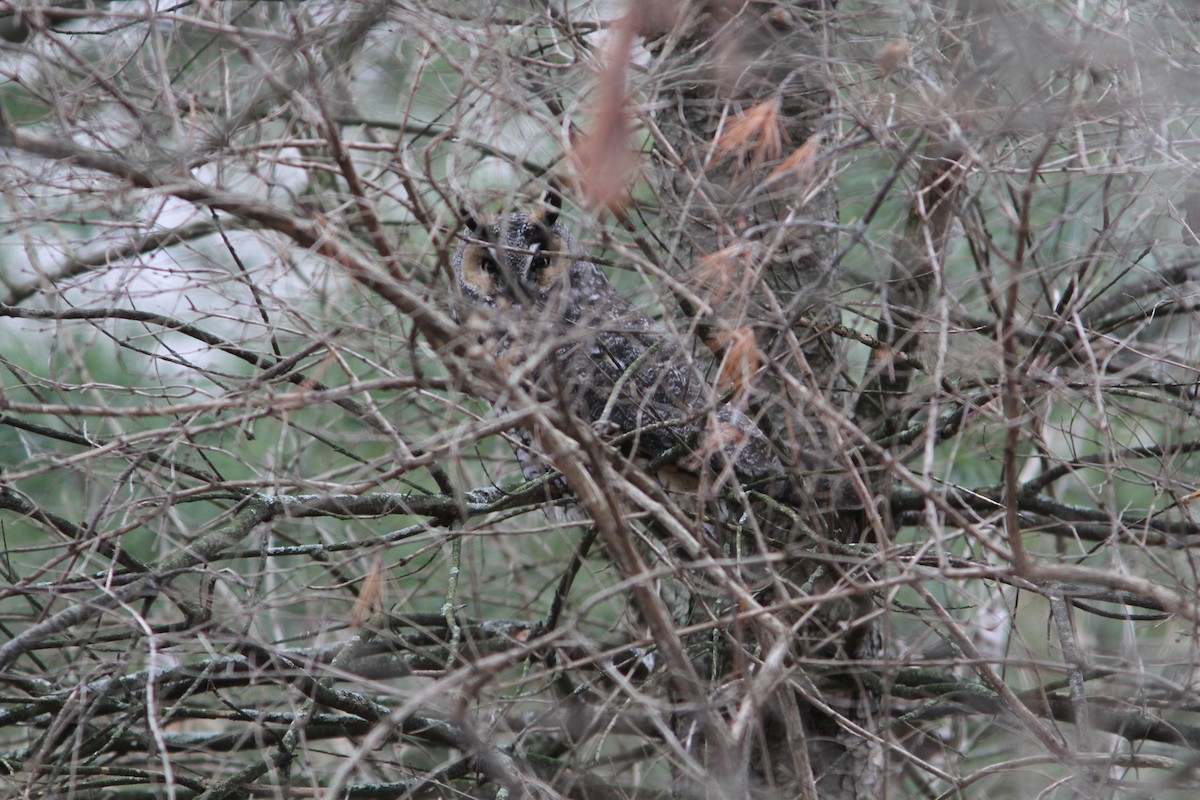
(549,312)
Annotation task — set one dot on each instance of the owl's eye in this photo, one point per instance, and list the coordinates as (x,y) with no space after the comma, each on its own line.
(488,264)
(538,236)
(540,240)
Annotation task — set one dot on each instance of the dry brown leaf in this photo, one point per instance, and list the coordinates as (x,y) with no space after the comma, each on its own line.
(802,163)
(891,56)
(755,137)
(719,272)
(604,158)
(655,17)
(371,598)
(741,363)
(943,174)
(718,437)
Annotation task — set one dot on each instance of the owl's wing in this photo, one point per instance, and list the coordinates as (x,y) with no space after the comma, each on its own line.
(628,377)
(640,387)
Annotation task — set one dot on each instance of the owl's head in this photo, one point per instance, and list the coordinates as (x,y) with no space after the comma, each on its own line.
(520,260)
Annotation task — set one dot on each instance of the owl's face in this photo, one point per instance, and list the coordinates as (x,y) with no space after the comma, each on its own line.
(522,262)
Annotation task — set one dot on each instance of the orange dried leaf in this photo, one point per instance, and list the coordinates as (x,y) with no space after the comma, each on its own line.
(605,160)
(719,271)
(721,436)
(718,437)
(741,363)
(892,55)
(655,17)
(943,174)
(371,598)
(757,135)
(605,166)
(801,163)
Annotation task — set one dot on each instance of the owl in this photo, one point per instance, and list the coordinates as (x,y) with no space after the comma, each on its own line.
(546,311)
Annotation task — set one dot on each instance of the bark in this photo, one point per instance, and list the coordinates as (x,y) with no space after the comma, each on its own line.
(744,187)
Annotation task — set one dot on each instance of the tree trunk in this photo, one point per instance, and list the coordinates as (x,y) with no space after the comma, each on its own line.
(752,208)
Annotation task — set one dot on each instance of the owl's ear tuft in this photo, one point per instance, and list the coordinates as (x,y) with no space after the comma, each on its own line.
(468,219)
(551,206)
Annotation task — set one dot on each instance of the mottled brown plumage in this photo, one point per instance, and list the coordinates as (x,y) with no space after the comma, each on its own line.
(524,284)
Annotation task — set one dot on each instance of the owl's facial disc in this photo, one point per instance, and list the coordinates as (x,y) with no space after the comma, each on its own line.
(549,259)
(517,261)
(484,277)
(547,264)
